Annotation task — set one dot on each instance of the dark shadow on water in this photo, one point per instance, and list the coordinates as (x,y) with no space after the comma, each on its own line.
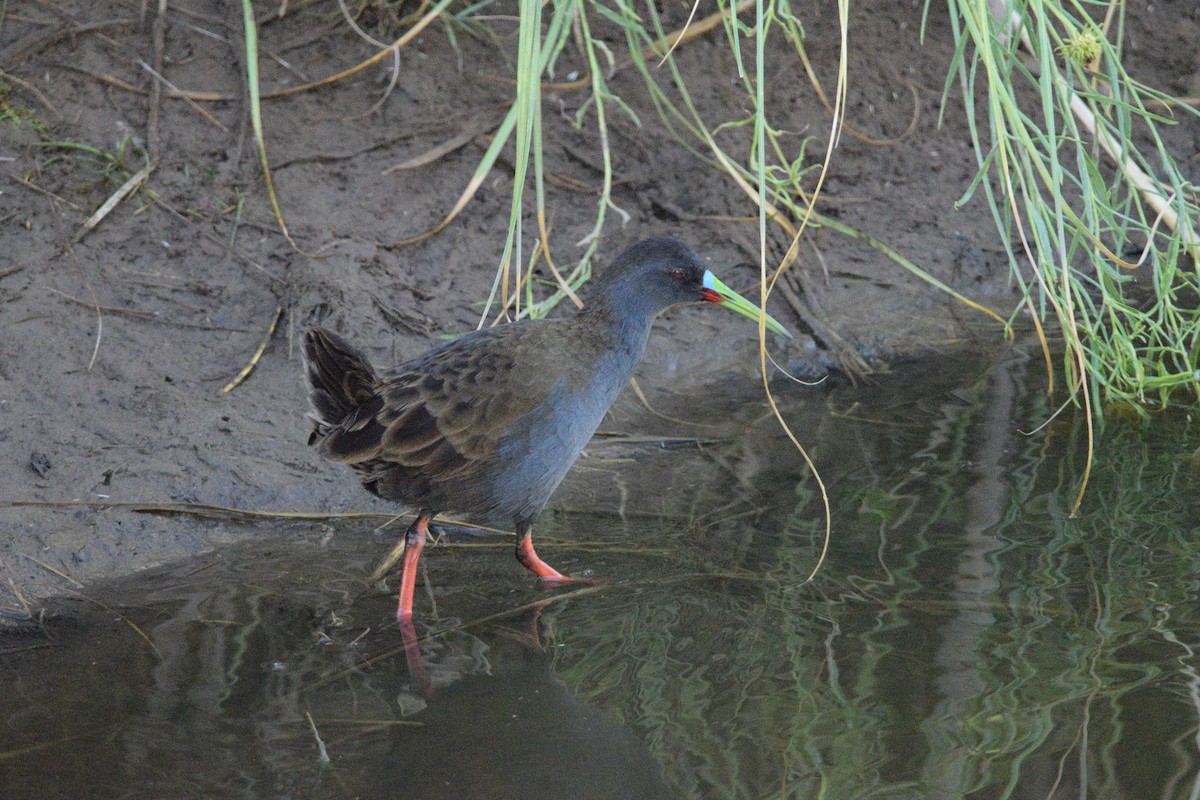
(965,638)
(221,705)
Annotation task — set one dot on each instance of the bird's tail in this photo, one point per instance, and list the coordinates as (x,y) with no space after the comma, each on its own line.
(340,379)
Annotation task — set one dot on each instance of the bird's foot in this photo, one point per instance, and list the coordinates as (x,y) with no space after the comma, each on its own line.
(530,560)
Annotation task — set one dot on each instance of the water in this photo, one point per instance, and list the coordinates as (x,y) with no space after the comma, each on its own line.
(965,636)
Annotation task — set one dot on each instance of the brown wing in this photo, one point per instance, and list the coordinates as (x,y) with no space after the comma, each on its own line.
(445,413)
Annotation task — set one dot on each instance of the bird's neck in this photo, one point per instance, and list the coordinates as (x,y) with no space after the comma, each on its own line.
(625,317)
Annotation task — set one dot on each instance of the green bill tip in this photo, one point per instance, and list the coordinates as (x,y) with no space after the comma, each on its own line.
(717,292)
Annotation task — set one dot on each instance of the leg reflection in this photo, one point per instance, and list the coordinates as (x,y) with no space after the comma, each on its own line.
(412,655)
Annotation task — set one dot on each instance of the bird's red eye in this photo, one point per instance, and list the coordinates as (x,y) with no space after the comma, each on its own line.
(677,273)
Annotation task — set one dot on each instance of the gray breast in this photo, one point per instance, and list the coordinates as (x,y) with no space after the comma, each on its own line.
(544,444)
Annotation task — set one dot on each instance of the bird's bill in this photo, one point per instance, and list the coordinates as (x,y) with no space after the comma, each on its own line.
(717,292)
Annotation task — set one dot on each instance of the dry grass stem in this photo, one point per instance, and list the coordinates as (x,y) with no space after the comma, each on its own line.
(113,201)
(21,752)
(912,124)
(445,148)
(463,200)
(322,753)
(258,353)
(372,722)
(29,87)
(191,103)
(411,34)
(688,32)
(226,512)
(33,186)
(118,615)
(52,570)
(16,592)
(388,561)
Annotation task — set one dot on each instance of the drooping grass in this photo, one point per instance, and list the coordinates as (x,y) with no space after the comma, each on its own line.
(649,51)
(250,38)
(1084,191)
(1071,159)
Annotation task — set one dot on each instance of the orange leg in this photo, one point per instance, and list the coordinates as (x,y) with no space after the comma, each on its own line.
(529,557)
(414,541)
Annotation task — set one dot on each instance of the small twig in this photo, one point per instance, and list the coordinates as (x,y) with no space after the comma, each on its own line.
(641,396)
(445,148)
(689,32)
(192,103)
(114,81)
(47,192)
(258,353)
(287,65)
(389,560)
(349,18)
(392,521)
(148,316)
(346,155)
(153,137)
(129,312)
(49,568)
(545,247)
(107,731)
(214,239)
(408,36)
(114,199)
(16,592)
(679,38)
(371,722)
(215,97)
(391,87)
(663,47)
(17,52)
(32,89)
(477,180)
(94,304)
(323,754)
(124,619)
(209,510)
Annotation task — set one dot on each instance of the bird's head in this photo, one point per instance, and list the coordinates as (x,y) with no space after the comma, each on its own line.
(655,274)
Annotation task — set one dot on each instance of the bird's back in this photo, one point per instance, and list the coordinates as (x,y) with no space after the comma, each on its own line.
(489,423)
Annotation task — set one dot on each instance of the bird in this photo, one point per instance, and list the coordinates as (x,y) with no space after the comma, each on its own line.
(489,423)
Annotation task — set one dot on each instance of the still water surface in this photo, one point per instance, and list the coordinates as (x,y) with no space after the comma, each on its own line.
(965,636)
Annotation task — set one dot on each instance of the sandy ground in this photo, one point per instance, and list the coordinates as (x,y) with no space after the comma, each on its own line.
(117,342)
